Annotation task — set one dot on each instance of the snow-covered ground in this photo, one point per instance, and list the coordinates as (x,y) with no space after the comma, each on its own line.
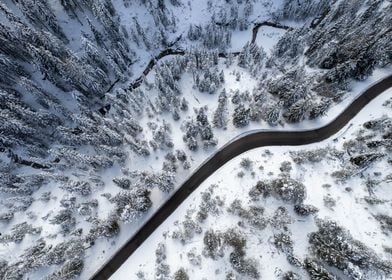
(40,211)
(268,36)
(99,253)
(50,196)
(350,211)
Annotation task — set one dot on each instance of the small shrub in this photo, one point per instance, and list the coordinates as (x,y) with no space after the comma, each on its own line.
(122,182)
(316,271)
(285,167)
(289,190)
(194,258)
(212,244)
(305,209)
(188,230)
(131,204)
(291,276)
(329,201)
(65,219)
(107,228)
(244,266)
(385,222)
(281,218)
(181,275)
(283,243)
(246,163)
(18,232)
(70,270)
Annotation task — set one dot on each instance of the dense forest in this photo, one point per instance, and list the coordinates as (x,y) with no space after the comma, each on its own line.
(86,136)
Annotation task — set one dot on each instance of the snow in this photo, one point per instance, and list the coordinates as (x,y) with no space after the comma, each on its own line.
(268,36)
(350,210)
(197,100)
(239,38)
(196,12)
(99,253)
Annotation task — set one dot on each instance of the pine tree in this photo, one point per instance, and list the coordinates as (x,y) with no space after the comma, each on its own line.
(296,113)
(93,54)
(131,204)
(319,109)
(241,116)
(221,112)
(272,114)
(40,13)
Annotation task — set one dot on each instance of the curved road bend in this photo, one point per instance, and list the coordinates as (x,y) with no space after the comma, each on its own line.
(226,153)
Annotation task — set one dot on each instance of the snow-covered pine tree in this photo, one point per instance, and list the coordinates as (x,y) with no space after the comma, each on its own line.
(241,116)
(221,112)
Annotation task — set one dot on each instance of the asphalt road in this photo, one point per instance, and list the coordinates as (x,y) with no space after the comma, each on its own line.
(226,153)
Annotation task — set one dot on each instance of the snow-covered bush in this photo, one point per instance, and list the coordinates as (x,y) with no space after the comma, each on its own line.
(284,188)
(18,232)
(107,228)
(283,242)
(122,182)
(385,222)
(163,180)
(239,263)
(285,167)
(131,204)
(329,201)
(247,267)
(246,163)
(180,275)
(305,209)
(70,270)
(162,269)
(209,204)
(317,271)
(241,116)
(187,230)
(80,187)
(280,219)
(212,244)
(65,218)
(312,156)
(67,250)
(254,215)
(193,257)
(291,276)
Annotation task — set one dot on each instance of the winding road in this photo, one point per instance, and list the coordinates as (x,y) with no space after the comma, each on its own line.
(251,140)
(179,51)
(170,51)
